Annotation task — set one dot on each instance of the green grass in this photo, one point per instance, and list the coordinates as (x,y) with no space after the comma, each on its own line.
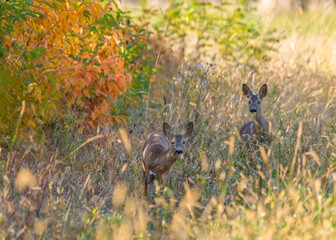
(306,23)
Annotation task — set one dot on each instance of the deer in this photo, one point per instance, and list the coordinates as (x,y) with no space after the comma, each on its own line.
(257,131)
(258,127)
(160,152)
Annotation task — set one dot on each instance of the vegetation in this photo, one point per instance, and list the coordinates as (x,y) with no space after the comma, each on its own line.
(195,29)
(83,83)
(71,55)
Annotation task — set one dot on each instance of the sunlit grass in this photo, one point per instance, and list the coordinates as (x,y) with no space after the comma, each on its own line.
(320,22)
(80,187)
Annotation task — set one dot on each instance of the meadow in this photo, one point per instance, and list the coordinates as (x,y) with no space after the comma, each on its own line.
(65,181)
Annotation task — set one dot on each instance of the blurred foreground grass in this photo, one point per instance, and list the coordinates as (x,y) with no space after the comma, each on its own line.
(83,188)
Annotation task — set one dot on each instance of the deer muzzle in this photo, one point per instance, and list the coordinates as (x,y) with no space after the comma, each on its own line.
(178,151)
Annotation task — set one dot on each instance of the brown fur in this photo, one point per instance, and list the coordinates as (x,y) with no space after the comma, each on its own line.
(160,152)
(257,131)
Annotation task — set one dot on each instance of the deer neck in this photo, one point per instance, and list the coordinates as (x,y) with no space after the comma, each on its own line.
(169,157)
(259,120)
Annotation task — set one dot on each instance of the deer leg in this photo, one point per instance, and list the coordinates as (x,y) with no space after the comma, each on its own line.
(167,179)
(169,176)
(151,178)
(146,183)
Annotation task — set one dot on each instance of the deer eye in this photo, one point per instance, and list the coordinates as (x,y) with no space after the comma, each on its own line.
(173,143)
(249,102)
(183,142)
(258,102)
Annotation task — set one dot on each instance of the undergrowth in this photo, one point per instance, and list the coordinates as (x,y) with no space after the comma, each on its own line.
(64,182)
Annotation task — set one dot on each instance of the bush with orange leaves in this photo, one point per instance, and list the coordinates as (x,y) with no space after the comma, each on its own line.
(68,55)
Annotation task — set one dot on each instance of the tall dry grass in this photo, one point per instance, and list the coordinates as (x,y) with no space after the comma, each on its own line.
(62,185)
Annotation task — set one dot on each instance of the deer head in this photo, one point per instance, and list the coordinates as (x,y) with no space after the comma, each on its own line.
(177,141)
(255,100)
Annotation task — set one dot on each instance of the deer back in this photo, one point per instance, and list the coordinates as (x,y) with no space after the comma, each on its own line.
(251,128)
(155,144)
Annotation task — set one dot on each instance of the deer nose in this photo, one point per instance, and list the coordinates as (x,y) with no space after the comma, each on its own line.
(253,110)
(178,151)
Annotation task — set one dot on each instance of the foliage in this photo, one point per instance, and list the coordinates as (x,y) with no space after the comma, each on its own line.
(213,31)
(73,55)
(15,12)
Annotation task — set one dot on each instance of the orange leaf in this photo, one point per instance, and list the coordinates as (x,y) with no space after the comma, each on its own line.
(129,78)
(93,115)
(81,9)
(81,81)
(86,93)
(78,93)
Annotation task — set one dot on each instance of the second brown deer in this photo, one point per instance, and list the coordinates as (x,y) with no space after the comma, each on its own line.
(161,151)
(259,126)
(258,130)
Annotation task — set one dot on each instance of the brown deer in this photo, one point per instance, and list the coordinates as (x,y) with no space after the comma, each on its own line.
(256,132)
(161,151)
(259,126)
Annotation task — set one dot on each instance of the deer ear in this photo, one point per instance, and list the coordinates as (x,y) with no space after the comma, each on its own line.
(247,91)
(189,129)
(166,129)
(263,91)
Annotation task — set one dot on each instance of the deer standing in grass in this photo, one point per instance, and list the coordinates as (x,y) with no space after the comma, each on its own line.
(161,151)
(258,131)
